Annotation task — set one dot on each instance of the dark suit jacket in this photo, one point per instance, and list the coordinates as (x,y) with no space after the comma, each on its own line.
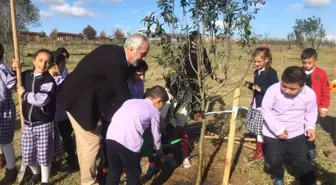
(97,86)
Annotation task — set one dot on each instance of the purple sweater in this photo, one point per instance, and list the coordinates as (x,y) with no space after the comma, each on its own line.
(296,114)
(131,120)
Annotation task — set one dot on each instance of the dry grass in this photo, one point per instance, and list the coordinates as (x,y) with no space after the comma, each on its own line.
(245,172)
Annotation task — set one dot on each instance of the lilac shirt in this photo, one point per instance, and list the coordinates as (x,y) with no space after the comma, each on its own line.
(136,89)
(296,114)
(131,120)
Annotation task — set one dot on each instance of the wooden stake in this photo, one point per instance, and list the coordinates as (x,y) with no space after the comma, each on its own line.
(227,169)
(227,138)
(242,139)
(246,145)
(17,56)
(23,168)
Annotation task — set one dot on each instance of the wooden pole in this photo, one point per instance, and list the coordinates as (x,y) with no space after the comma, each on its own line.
(16,56)
(246,145)
(227,168)
(23,168)
(227,138)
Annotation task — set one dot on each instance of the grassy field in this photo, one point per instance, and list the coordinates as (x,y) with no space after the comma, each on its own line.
(244,171)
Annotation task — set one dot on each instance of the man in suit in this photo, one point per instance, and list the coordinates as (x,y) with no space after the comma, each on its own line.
(96,88)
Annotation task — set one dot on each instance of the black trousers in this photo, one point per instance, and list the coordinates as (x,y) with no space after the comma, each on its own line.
(122,159)
(66,131)
(104,128)
(311,144)
(196,106)
(297,151)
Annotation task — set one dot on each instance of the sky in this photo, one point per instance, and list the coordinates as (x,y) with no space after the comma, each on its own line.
(276,17)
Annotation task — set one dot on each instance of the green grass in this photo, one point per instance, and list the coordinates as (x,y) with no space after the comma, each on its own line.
(245,172)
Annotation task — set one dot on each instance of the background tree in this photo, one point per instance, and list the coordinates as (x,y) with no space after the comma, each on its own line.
(43,34)
(309,32)
(119,34)
(27,14)
(102,34)
(53,34)
(290,40)
(90,32)
(235,16)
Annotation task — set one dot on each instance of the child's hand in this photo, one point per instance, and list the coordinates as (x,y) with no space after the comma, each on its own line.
(20,90)
(311,134)
(16,64)
(284,135)
(323,113)
(247,83)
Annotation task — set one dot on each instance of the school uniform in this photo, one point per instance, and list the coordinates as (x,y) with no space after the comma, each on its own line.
(317,79)
(64,125)
(176,114)
(124,139)
(137,89)
(264,78)
(297,114)
(7,105)
(40,137)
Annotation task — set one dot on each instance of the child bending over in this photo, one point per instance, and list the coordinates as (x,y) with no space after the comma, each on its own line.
(124,135)
(290,111)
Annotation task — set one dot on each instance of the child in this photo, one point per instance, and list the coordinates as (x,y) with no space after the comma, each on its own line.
(290,111)
(7,118)
(63,122)
(317,79)
(124,135)
(38,109)
(136,83)
(174,117)
(66,54)
(264,77)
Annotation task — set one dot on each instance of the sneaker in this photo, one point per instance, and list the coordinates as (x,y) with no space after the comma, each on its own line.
(151,169)
(35,179)
(313,155)
(278,182)
(186,163)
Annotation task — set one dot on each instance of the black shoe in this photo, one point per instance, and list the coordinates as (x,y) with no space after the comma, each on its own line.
(44,183)
(313,155)
(35,179)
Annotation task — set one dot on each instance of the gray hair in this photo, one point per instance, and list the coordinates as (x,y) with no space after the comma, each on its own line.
(136,40)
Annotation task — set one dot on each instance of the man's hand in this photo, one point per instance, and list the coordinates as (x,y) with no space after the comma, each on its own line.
(16,64)
(256,88)
(284,135)
(311,134)
(20,90)
(323,113)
